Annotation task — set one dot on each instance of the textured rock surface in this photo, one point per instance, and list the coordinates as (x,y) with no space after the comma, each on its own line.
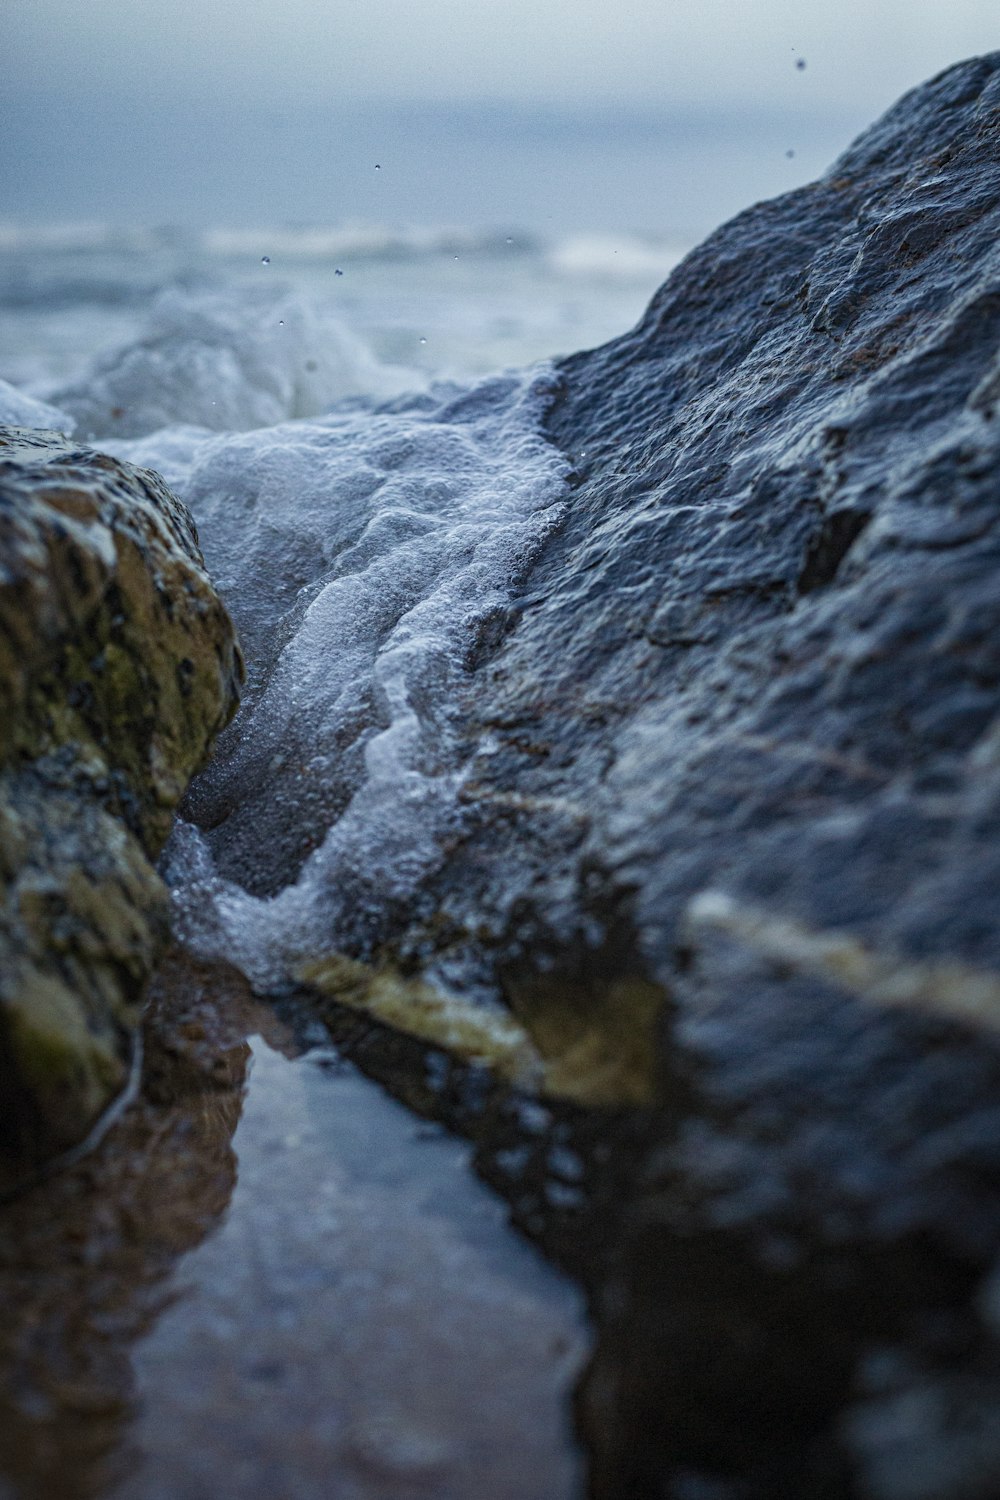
(118,664)
(751,711)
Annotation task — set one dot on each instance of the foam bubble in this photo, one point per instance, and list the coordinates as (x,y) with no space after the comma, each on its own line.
(365,558)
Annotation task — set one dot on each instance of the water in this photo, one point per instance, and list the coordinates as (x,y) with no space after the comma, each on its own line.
(369,500)
(70,293)
(271,1279)
(365,1300)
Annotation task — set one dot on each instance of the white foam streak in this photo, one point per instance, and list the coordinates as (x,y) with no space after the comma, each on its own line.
(622,257)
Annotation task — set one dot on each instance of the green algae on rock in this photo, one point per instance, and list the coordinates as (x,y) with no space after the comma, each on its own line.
(420,1009)
(564,1036)
(118,666)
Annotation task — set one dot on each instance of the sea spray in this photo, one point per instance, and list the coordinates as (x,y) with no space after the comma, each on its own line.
(227,361)
(365,556)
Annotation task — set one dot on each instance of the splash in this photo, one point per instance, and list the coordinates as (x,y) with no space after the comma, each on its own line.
(228,362)
(368,559)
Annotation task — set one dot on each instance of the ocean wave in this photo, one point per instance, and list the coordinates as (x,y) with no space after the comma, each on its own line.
(226,361)
(322,242)
(362,242)
(625,257)
(81,237)
(18,409)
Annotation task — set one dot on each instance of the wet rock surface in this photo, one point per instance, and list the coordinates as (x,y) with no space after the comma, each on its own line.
(118,664)
(749,714)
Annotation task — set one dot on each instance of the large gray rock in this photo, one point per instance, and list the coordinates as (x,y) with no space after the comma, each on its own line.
(751,714)
(118,665)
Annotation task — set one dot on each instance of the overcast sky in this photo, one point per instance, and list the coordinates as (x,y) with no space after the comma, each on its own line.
(125,100)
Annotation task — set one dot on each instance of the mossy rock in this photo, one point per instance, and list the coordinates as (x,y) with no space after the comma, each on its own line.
(118,667)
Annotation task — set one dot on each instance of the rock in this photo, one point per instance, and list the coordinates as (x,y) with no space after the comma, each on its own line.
(118,665)
(759,669)
(710,792)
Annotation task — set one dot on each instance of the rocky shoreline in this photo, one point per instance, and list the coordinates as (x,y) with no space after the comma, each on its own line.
(730,843)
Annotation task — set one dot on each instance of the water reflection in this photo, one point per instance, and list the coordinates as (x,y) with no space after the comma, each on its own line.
(360,1322)
(84,1256)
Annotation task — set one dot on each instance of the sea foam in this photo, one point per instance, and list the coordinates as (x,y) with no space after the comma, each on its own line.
(18,409)
(228,361)
(368,558)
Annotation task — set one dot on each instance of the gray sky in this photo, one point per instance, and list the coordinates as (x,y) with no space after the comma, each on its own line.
(648,51)
(247,108)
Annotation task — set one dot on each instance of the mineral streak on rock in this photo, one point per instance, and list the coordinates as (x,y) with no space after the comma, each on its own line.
(118,665)
(592,1044)
(953,990)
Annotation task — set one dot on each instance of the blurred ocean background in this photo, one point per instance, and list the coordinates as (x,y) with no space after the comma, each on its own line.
(355,309)
(442,241)
(442,190)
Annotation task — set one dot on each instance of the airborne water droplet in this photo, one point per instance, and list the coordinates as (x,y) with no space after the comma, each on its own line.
(338,272)
(423,341)
(378,166)
(281,322)
(265,260)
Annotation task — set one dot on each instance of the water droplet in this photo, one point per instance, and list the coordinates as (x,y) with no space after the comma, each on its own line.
(423,341)
(338,272)
(456,257)
(281,322)
(510,239)
(265,260)
(378,166)
(800,63)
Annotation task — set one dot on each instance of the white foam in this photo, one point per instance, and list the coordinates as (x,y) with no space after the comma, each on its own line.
(362,556)
(228,362)
(355,239)
(358,241)
(621,256)
(18,409)
(82,237)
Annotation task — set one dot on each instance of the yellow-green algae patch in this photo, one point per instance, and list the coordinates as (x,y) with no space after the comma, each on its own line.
(596,1033)
(561,1040)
